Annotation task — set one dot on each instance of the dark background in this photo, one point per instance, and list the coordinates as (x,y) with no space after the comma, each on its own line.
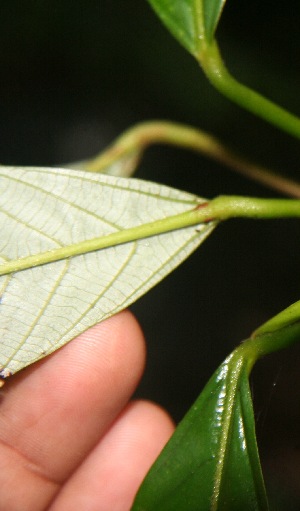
(74,74)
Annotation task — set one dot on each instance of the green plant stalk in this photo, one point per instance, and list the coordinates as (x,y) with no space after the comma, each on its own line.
(220,208)
(138,138)
(213,66)
(278,333)
(286,332)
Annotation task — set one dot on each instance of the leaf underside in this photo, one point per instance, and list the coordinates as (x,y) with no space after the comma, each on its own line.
(211,462)
(41,209)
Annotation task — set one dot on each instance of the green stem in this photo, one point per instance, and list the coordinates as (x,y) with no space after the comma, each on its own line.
(218,209)
(278,333)
(215,70)
(224,207)
(274,341)
(135,140)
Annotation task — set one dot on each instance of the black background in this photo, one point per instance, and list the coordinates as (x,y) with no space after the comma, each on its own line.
(74,75)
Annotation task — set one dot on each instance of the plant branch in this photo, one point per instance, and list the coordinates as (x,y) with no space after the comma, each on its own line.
(137,139)
(215,70)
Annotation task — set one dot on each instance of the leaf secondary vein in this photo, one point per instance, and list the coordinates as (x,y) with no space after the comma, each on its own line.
(120,183)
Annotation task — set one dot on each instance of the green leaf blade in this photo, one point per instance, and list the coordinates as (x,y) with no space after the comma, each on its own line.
(242,485)
(44,307)
(177,16)
(211,463)
(192,22)
(212,10)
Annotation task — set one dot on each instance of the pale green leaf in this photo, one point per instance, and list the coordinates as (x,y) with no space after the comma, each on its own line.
(43,307)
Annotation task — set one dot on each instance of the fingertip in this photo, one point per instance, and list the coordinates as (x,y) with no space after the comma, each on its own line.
(82,388)
(111,475)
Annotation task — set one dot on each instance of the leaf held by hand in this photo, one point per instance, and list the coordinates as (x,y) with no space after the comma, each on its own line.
(42,210)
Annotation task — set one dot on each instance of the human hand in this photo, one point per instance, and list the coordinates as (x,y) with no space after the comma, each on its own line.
(68,437)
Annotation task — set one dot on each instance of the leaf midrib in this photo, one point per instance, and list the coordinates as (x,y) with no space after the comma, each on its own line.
(230,401)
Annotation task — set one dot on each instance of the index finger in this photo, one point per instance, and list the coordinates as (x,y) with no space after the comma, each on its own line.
(52,414)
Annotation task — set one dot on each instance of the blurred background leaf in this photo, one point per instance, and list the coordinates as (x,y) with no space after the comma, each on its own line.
(178,16)
(212,13)
(181,17)
(74,75)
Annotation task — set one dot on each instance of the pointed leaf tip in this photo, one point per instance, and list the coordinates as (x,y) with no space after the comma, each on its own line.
(177,16)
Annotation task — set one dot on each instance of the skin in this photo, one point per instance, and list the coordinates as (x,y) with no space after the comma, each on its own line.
(69,436)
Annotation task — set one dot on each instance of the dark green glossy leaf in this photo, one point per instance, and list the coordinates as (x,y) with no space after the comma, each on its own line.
(211,463)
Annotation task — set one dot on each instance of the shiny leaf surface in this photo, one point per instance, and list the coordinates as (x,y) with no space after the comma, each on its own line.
(211,463)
